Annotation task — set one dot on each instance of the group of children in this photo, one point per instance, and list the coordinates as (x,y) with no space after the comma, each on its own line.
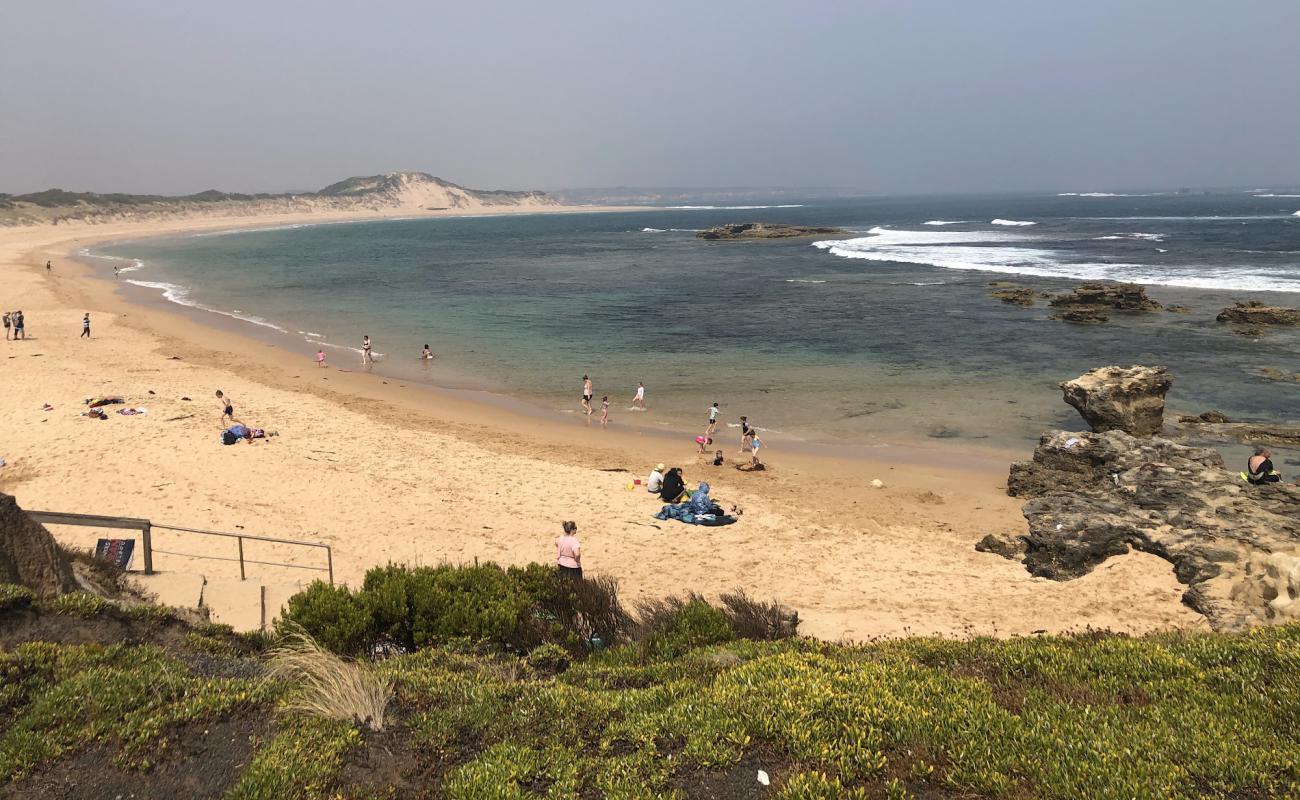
(750,441)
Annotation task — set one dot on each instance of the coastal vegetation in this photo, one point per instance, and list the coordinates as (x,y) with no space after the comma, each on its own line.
(680,703)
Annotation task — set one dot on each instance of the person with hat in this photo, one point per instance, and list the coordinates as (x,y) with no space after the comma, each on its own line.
(656,480)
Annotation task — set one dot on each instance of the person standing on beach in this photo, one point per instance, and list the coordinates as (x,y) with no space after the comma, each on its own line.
(116,271)
(755,444)
(85,326)
(586,394)
(366,358)
(604,410)
(20,326)
(713,420)
(639,400)
(7,323)
(47,268)
(746,432)
(568,551)
(320,358)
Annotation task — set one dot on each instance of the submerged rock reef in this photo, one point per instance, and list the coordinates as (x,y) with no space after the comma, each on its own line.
(763,230)
(1097,494)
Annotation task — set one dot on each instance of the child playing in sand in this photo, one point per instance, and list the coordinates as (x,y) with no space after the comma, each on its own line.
(703,442)
(320,358)
(717,458)
(604,410)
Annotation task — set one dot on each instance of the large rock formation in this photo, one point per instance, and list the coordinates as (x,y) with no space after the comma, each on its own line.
(1116,398)
(1096,495)
(763,230)
(1012,294)
(29,555)
(1106,296)
(1256,313)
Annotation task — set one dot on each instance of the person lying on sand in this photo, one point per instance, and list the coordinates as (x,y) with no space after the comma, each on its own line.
(107,400)
(1260,467)
(241,432)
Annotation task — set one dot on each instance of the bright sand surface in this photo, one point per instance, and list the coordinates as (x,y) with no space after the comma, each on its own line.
(385,472)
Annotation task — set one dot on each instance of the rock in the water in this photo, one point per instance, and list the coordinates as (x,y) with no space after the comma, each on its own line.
(1116,398)
(1082,316)
(1015,295)
(1203,417)
(1176,309)
(764,230)
(29,555)
(1253,433)
(1256,313)
(1275,374)
(1118,297)
(1097,495)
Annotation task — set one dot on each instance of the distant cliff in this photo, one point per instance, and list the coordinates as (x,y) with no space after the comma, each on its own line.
(412,192)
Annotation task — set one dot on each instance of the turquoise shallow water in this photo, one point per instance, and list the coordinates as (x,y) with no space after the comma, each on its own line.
(886,333)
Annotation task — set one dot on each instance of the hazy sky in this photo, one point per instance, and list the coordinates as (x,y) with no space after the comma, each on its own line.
(967,95)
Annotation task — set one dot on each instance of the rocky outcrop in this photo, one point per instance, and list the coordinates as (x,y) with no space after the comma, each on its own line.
(1275,374)
(1092,496)
(1255,313)
(1253,433)
(763,230)
(1130,399)
(1204,417)
(1106,296)
(1015,295)
(29,555)
(1082,316)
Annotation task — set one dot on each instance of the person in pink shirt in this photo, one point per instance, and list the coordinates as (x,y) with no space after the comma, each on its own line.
(569,551)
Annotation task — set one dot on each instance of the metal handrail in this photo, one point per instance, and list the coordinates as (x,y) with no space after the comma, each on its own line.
(146,530)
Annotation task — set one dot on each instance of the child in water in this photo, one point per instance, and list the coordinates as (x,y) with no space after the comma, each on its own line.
(604,410)
(320,358)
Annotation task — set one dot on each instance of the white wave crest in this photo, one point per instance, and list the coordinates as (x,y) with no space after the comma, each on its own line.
(1296,214)
(1146,237)
(1108,194)
(1017,254)
(732,208)
(801,280)
(1277,195)
(1014,223)
(945,222)
(654,230)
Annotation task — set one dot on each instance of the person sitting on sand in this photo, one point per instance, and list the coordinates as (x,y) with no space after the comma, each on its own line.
(568,551)
(1260,467)
(656,480)
(717,458)
(674,486)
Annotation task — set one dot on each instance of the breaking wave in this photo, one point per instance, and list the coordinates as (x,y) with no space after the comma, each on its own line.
(945,222)
(1014,223)
(1020,254)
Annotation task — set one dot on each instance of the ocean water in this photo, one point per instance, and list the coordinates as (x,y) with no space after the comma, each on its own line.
(883,335)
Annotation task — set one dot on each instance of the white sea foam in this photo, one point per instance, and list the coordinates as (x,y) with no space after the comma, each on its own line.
(1022,254)
(945,222)
(732,208)
(1277,195)
(1296,214)
(801,280)
(180,295)
(1147,237)
(1014,223)
(1108,194)
(654,230)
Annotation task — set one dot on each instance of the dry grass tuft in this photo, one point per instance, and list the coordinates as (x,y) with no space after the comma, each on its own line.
(325,685)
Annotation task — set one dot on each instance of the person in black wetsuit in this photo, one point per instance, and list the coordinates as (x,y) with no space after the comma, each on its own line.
(673,486)
(1259,468)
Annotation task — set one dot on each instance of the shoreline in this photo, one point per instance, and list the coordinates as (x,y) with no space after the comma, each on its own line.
(855,561)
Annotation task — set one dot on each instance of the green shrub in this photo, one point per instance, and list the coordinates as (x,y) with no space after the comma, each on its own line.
(300,763)
(674,625)
(549,659)
(334,616)
(758,620)
(13,595)
(79,604)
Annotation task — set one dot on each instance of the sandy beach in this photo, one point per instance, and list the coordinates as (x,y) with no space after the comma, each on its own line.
(385,472)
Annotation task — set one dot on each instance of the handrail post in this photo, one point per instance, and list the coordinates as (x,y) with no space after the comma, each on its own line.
(329,557)
(146,539)
(241,558)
